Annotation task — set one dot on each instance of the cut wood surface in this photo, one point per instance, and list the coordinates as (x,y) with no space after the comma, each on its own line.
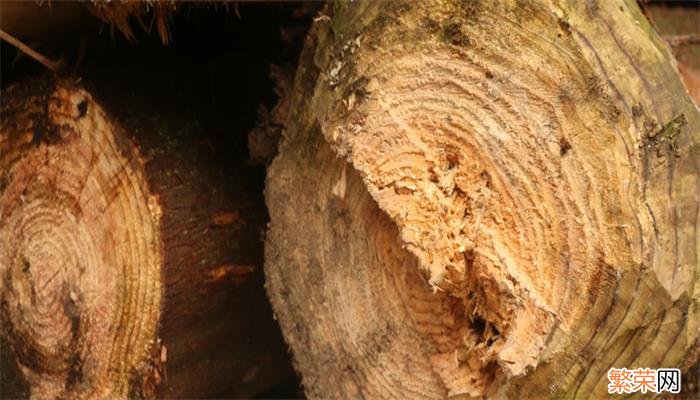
(484,199)
(130,258)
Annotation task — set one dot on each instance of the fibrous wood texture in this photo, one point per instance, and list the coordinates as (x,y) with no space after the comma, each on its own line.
(484,198)
(127,267)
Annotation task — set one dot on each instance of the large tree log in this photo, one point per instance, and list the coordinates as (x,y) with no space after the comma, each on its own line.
(128,268)
(484,198)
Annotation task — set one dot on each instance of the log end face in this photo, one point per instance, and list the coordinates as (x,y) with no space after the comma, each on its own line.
(509,167)
(79,255)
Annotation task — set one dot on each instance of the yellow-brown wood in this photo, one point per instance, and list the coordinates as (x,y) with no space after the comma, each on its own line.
(130,259)
(484,198)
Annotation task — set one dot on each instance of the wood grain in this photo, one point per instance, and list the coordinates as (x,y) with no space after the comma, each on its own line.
(533,168)
(130,252)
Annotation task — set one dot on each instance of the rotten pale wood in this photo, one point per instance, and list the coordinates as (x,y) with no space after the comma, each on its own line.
(519,211)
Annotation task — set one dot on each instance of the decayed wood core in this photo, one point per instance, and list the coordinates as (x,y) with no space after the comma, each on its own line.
(80,256)
(513,211)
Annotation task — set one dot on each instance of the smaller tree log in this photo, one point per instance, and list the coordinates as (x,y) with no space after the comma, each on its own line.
(129,258)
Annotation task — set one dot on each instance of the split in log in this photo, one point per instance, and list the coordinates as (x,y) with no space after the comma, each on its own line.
(129,258)
(484,198)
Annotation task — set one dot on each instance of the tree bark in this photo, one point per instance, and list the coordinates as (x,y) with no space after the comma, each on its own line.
(484,199)
(130,257)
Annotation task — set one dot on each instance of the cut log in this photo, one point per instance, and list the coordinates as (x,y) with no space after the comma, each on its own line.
(484,199)
(130,259)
